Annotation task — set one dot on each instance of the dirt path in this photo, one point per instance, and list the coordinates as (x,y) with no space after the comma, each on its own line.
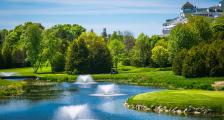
(218,85)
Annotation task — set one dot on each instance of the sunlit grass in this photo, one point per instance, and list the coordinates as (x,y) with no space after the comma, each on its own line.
(130,75)
(182,99)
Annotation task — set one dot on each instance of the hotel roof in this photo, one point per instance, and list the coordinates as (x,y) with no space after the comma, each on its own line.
(187,5)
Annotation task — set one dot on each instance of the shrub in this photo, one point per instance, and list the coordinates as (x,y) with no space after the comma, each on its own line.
(58,63)
(160,56)
(203,60)
(194,64)
(178,62)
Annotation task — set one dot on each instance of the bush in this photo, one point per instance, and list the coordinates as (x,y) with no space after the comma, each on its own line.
(58,63)
(178,62)
(88,54)
(160,56)
(202,60)
(194,64)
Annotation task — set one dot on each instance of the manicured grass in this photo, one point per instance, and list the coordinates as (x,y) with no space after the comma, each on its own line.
(27,71)
(11,88)
(131,75)
(182,99)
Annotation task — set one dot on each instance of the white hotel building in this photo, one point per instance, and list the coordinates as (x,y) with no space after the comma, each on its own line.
(189,9)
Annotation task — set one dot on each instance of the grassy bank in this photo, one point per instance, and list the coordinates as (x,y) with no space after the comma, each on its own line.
(131,75)
(11,88)
(181,100)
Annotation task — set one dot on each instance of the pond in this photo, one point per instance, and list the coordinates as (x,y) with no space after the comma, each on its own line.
(101,101)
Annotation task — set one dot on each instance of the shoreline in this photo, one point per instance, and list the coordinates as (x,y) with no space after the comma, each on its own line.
(190,110)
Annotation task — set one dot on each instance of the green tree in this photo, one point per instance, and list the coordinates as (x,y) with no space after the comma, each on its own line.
(181,37)
(104,35)
(99,56)
(10,46)
(129,43)
(56,41)
(201,26)
(32,38)
(162,42)
(154,39)
(77,60)
(141,51)
(215,59)
(194,64)
(3,34)
(117,51)
(100,60)
(178,62)
(51,45)
(160,56)
(117,35)
(70,57)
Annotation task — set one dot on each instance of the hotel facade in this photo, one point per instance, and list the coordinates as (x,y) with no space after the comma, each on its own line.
(189,9)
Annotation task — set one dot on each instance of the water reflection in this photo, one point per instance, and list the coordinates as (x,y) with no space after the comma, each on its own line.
(74,112)
(67,101)
(13,105)
(44,90)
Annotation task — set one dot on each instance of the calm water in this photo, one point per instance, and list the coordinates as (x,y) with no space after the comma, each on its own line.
(69,104)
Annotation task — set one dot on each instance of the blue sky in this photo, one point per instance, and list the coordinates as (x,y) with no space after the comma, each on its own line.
(133,15)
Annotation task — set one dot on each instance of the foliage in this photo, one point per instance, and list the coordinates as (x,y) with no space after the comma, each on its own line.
(201,26)
(160,56)
(3,34)
(182,36)
(104,35)
(31,39)
(56,41)
(10,88)
(99,56)
(219,20)
(194,64)
(154,39)
(88,55)
(204,60)
(129,43)
(117,35)
(178,62)
(141,51)
(51,49)
(117,51)
(215,59)
(11,48)
(218,31)
(77,57)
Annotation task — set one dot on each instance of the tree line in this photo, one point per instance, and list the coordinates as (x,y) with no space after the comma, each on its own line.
(197,47)
(72,49)
(193,49)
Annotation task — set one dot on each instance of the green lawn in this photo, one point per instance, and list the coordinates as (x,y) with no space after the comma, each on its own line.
(27,71)
(182,99)
(131,75)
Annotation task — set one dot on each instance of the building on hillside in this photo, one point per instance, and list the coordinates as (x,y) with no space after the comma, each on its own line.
(170,23)
(189,9)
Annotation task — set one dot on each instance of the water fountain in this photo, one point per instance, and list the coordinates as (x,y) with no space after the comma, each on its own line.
(7,74)
(85,79)
(74,112)
(107,90)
